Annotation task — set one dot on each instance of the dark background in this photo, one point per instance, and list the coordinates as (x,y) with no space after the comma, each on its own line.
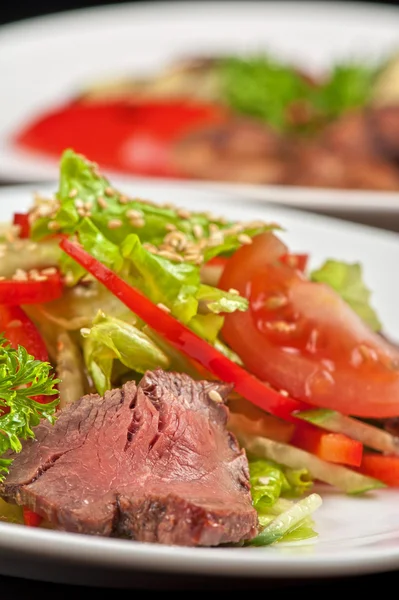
(19,588)
(12,11)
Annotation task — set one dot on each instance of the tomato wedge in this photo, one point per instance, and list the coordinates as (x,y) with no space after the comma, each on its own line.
(300,336)
(136,137)
(39,287)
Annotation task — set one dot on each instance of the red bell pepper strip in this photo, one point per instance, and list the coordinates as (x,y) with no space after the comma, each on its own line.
(31,519)
(333,447)
(43,286)
(17,328)
(182,338)
(22,221)
(381,466)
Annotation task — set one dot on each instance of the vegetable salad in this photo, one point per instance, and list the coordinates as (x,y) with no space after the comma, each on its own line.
(97,287)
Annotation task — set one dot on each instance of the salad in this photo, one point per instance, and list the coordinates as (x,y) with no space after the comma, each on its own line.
(98,289)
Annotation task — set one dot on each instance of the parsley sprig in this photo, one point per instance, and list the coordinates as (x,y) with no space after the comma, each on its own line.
(22,378)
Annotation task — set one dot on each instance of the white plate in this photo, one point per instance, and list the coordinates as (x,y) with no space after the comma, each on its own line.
(357,535)
(47,60)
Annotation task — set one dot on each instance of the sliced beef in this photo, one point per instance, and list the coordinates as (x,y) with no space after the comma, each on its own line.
(153,463)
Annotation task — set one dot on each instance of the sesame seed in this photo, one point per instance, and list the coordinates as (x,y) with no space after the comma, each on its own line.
(109,191)
(53,226)
(137,223)
(234,292)
(79,203)
(49,271)
(198,231)
(149,247)
(163,307)
(73,193)
(284,393)
(183,213)
(123,199)
(134,214)
(102,203)
(170,255)
(81,212)
(213,228)
(88,205)
(264,480)
(282,326)
(255,225)
(38,277)
(170,227)
(20,275)
(275,302)
(85,331)
(114,223)
(243,238)
(215,396)
(15,323)
(69,278)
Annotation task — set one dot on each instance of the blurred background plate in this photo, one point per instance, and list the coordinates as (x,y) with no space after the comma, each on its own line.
(47,60)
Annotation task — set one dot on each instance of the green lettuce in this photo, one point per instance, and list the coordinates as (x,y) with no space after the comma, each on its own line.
(273,488)
(347,280)
(109,340)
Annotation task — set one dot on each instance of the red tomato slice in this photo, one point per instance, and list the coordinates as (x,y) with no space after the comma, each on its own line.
(46,286)
(302,337)
(135,137)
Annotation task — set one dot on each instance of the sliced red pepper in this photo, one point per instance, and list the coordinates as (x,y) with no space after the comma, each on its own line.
(41,287)
(31,519)
(381,466)
(21,220)
(136,137)
(247,385)
(17,328)
(295,261)
(184,339)
(333,447)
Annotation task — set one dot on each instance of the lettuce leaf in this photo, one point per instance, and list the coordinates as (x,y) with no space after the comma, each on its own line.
(347,280)
(110,339)
(85,193)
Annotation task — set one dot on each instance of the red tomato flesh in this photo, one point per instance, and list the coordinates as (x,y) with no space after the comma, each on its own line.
(300,336)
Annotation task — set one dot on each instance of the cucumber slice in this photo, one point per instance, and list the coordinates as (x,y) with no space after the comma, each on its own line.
(348,481)
(288,521)
(370,436)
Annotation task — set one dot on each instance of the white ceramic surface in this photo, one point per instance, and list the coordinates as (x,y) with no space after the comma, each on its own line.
(46,60)
(357,535)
